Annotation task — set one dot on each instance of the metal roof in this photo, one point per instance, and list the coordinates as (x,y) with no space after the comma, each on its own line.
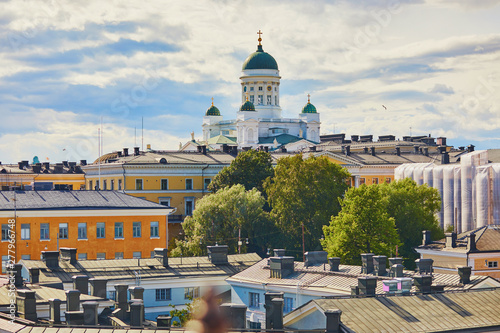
(487,240)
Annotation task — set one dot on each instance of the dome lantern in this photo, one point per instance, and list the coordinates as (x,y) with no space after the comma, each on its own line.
(212,110)
(309,108)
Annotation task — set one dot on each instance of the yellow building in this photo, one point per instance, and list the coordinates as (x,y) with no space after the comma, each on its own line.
(478,248)
(65,175)
(100,224)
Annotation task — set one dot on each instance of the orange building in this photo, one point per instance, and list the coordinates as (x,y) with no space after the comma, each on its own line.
(100,224)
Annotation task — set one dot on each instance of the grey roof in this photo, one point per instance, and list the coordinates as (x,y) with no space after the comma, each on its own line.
(57,200)
(440,312)
(319,278)
(121,269)
(487,240)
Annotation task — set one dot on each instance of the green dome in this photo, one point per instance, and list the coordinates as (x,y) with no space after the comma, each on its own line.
(247,106)
(212,111)
(309,108)
(260,60)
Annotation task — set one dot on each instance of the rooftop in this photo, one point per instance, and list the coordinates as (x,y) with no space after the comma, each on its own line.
(487,240)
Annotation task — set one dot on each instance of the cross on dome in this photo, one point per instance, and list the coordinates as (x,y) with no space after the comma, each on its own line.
(308,98)
(212,101)
(260,39)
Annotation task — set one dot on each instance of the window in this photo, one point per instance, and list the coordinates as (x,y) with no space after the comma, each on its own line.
(207,182)
(189,184)
(112,184)
(374,180)
(26,257)
(164,184)
(288,304)
(152,254)
(275,100)
(105,184)
(44,231)
(361,181)
(164,202)
(252,99)
(244,88)
(118,255)
(97,185)
(63,230)
(82,256)
(163,294)
(101,255)
(260,88)
(268,100)
(5,262)
(388,180)
(138,184)
(82,230)
(189,207)
(154,227)
(112,295)
(118,229)
(136,229)
(191,292)
(260,100)
(5,232)
(251,88)
(90,185)
(253,300)
(119,184)
(100,229)
(492,264)
(137,255)
(25,231)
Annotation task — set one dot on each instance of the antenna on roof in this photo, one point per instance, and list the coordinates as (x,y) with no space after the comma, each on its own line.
(142,143)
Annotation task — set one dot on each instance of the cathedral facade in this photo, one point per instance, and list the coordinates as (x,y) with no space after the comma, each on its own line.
(259,120)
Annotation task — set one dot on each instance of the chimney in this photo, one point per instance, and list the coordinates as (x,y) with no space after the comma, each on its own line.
(426,240)
(58,168)
(426,151)
(380,265)
(51,258)
(471,242)
(279,252)
(18,278)
(445,158)
(266,149)
(312,148)
(74,318)
(34,274)
(121,297)
(464,272)
(441,141)
(72,300)
(394,261)
(366,263)
(415,149)
(163,321)
(26,304)
(470,148)
(280,267)
(98,287)
(46,165)
(55,310)
(68,254)
(397,270)
(268,297)
(315,257)
(441,149)
(37,168)
(422,283)
(204,150)
(283,149)
(235,315)
(125,151)
(81,283)
(367,285)
(65,164)
(136,292)
(235,150)
(90,313)
(136,313)
(451,239)
(198,149)
(398,151)
(372,149)
(20,165)
(26,163)
(334,264)
(217,254)
(354,290)
(424,266)
(348,150)
(333,320)
(136,151)
(161,255)
(83,162)
(224,147)
(354,138)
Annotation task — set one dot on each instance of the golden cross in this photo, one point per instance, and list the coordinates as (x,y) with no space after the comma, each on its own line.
(247,95)
(260,33)
(308,98)
(212,101)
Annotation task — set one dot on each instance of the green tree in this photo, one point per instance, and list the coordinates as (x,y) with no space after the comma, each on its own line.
(219,217)
(249,168)
(362,226)
(304,194)
(414,209)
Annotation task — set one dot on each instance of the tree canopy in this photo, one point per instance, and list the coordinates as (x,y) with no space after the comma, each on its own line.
(304,191)
(362,226)
(217,219)
(250,168)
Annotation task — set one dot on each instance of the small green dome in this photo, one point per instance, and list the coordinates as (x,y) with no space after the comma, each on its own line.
(260,60)
(247,106)
(212,111)
(309,108)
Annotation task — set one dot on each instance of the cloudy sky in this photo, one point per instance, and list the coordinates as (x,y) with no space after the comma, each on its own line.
(65,65)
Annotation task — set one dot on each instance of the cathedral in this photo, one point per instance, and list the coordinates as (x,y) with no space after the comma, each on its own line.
(259,121)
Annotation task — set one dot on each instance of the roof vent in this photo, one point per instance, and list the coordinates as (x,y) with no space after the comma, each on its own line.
(68,254)
(315,257)
(136,151)
(451,239)
(125,151)
(281,267)
(217,254)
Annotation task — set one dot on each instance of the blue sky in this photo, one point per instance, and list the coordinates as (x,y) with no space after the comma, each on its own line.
(66,65)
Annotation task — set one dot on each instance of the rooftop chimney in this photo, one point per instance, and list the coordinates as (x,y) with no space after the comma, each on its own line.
(18,278)
(280,267)
(235,315)
(445,158)
(424,266)
(415,149)
(68,254)
(125,151)
(204,150)
(398,151)
(34,274)
(121,291)
(283,149)
(348,150)
(272,310)
(73,300)
(471,242)
(136,313)
(98,287)
(367,285)
(441,141)
(136,151)
(26,304)
(372,151)
(312,148)
(51,258)
(422,283)
(266,148)
(354,138)
(334,264)
(333,320)
(81,283)
(90,313)
(451,239)
(55,310)
(20,165)
(395,261)
(161,255)
(83,162)
(366,263)
(426,239)
(464,272)
(397,270)
(426,151)
(380,265)
(217,254)
(279,252)
(315,257)
(470,148)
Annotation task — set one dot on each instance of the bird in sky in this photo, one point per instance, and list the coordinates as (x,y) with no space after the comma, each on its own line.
(384,107)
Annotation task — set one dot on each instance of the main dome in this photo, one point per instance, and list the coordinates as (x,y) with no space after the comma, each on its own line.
(260,60)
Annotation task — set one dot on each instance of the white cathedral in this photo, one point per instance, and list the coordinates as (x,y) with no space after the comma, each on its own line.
(259,121)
